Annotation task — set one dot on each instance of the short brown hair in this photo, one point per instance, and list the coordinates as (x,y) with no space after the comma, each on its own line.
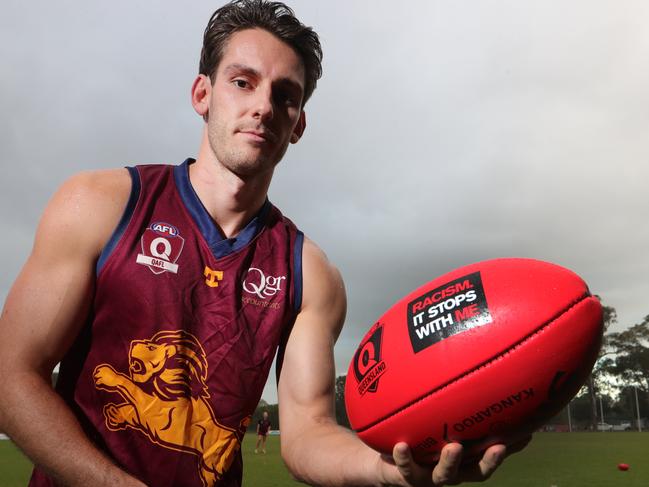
(274,17)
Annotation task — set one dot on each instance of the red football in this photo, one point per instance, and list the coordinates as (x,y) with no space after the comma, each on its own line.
(482,355)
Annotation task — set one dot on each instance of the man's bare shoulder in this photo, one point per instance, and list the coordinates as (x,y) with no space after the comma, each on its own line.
(318,269)
(101,186)
(87,207)
(324,289)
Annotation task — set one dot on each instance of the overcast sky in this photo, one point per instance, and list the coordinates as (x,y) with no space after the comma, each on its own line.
(442,133)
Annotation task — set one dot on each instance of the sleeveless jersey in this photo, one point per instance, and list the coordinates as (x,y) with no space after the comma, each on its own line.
(183,329)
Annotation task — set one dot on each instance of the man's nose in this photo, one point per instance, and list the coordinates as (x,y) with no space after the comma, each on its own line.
(264,108)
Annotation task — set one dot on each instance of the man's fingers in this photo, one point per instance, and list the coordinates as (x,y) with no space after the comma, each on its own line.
(412,472)
(403,459)
(445,472)
(450,470)
(478,471)
(491,459)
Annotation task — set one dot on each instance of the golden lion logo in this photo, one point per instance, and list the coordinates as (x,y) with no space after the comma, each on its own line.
(166,399)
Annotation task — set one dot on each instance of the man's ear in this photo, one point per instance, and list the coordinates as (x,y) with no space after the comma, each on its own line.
(201,94)
(299,128)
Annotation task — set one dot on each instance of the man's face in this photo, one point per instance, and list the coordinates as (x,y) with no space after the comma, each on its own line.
(265,415)
(255,105)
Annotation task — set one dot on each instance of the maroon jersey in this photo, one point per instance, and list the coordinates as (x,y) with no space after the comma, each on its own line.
(263,425)
(184,326)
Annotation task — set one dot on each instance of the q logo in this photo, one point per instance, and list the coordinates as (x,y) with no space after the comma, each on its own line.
(367,358)
(368,366)
(166,248)
(161,245)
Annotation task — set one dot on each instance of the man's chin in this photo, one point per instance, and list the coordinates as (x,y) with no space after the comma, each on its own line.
(248,169)
(250,162)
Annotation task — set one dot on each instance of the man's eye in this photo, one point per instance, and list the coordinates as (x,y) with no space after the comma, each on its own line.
(241,83)
(286,99)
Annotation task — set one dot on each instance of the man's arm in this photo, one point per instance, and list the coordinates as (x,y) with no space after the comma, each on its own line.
(45,310)
(317,450)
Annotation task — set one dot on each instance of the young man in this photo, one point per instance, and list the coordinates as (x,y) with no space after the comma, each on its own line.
(165,292)
(263,427)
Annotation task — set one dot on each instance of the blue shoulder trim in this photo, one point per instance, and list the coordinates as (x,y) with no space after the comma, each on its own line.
(123,222)
(297,300)
(297,270)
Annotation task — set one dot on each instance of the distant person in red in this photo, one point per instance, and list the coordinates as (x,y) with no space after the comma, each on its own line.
(263,427)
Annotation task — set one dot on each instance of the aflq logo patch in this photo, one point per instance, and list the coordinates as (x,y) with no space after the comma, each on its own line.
(161,246)
(368,366)
(446,311)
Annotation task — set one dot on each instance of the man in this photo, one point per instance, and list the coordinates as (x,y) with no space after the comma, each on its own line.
(165,291)
(263,427)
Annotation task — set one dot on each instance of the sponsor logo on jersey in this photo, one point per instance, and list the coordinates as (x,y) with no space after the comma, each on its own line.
(161,246)
(264,286)
(164,395)
(212,277)
(368,365)
(260,288)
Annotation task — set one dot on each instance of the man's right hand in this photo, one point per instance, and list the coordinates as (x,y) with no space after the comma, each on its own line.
(449,470)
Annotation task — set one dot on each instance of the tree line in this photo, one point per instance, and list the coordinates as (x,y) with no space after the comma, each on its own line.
(621,371)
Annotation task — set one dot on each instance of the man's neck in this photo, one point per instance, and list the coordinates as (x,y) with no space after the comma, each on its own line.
(230,200)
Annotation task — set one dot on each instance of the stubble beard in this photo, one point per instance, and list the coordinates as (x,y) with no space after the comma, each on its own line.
(237,159)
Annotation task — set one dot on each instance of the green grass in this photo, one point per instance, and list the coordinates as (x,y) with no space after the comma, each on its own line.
(577,459)
(264,470)
(15,468)
(552,459)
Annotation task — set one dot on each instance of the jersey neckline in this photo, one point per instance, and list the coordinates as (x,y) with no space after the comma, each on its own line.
(216,241)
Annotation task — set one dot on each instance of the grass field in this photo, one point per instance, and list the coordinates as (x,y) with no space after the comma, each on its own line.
(14,467)
(552,459)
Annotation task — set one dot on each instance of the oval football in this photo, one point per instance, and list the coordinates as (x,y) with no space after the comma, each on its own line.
(484,354)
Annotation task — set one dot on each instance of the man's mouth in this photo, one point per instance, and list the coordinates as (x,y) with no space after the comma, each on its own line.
(259,136)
